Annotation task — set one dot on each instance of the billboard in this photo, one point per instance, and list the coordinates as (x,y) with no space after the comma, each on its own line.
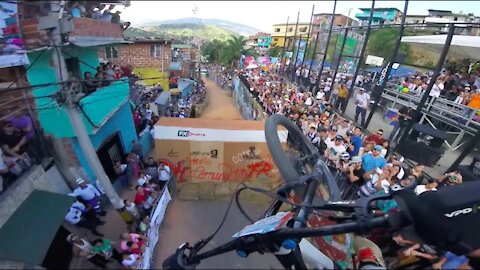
(300,45)
(347,64)
(12,48)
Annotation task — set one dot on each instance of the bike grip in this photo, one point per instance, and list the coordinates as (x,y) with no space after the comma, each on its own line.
(178,260)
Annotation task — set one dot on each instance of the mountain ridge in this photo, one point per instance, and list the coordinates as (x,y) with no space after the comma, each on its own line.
(239,28)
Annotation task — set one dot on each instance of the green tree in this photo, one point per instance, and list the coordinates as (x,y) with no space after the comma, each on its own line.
(274,51)
(382,42)
(225,53)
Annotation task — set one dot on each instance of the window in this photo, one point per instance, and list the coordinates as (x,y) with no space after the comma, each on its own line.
(275,39)
(155,50)
(303,29)
(290,29)
(111,52)
(277,30)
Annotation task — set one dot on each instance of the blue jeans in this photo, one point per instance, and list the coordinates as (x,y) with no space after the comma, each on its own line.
(363,112)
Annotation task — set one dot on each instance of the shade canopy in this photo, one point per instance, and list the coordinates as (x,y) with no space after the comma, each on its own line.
(28,233)
(461,46)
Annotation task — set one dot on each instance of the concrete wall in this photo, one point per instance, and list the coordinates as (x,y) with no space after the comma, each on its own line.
(14,196)
(36,178)
(121,121)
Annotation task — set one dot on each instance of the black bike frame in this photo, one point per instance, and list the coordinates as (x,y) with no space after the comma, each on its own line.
(300,231)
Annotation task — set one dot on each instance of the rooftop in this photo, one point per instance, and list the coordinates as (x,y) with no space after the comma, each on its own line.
(292,24)
(378,9)
(150,40)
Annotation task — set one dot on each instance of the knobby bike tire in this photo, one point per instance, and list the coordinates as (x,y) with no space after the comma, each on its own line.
(287,170)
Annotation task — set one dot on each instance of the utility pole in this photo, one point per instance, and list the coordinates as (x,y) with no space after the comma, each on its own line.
(89,152)
(326,48)
(386,70)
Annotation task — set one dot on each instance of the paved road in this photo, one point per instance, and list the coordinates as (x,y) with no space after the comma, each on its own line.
(220,106)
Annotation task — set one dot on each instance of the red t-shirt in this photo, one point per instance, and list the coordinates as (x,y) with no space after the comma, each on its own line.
(375,138)
(141,198)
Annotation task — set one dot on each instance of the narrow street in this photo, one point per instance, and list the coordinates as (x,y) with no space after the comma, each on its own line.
(193,220)
(220,106)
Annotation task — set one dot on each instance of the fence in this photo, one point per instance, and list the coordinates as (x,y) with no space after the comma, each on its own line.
(156,219)
(248,106)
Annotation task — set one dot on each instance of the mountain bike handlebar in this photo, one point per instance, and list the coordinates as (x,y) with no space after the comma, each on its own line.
(447,218)
(282,238)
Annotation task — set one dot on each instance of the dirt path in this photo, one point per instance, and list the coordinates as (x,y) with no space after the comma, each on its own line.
(220,106)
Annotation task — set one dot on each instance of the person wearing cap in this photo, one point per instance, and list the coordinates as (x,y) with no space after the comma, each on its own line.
(373,160)
(89,194)
(334,150)
(81,247)
(343,162)
(361,100)
(77,215)
(356,173)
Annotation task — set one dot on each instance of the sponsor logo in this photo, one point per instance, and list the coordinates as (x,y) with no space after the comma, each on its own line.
(172,153)
(187,133)
(252,154)
(459,212)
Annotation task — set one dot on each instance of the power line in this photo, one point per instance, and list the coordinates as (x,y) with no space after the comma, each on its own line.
(27,69)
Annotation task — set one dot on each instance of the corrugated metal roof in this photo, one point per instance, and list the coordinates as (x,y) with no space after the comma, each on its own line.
(96,41)
(182,46)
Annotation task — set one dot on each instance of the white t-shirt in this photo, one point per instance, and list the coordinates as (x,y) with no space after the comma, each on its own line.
(334,151)
(436,90)
(309,101)
(362,100)
(148,114)
(422,188)
(132,259)
(320,95)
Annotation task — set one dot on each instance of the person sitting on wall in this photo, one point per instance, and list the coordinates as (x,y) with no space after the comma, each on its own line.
(14,145)
(90,85)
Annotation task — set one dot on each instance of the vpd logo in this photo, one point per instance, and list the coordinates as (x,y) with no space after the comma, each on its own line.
(183,133)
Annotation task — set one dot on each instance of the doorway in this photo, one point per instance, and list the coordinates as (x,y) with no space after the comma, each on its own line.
(110,150)
(59,254)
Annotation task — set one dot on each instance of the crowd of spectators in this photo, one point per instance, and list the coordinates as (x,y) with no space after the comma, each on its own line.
(19,147)
(149,178)
(95,10)
(364,165)
(186,107)
(105,74)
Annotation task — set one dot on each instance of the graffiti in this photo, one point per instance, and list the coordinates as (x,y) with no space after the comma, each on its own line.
(250,156)
(203,160)
(172,154)
(222,172)
(212,153)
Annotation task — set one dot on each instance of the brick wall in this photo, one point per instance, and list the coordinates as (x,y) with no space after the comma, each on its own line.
(138,55)
(15,100)
(84,27)
(94,28)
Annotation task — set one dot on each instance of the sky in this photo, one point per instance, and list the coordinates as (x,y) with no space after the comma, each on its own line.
(263,14)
